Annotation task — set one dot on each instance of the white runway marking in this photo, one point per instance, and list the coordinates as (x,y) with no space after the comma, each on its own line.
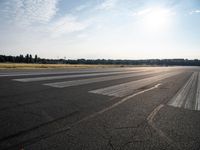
(125,89)
(110,107)
(12,74)
(69,76)
(92,80)
(33,74)
(197,106)
(188,96)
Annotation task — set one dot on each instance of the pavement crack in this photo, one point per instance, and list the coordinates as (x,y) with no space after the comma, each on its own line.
(66,128)
(150,120)
(132,127)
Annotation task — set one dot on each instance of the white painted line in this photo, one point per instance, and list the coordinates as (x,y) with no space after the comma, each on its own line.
(179,98)
(191,96)
(92,80)
(12,74)
(188,96)
(197,106)
(68,76)
(32,74)
(114,105)
(125,89)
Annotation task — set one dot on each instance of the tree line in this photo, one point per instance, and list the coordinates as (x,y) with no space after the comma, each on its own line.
(161,62)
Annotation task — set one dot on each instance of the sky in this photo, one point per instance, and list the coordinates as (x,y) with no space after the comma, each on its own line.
(96,29)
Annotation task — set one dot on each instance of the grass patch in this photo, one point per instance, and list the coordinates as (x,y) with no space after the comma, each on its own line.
(51,66)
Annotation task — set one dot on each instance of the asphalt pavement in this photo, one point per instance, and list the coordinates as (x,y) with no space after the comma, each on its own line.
(135,108)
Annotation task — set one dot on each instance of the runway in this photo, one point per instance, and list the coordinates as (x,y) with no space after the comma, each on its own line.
(144,108)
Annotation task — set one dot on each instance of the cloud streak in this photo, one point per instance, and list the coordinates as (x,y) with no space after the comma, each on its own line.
(107,5)
(27,12)
(67,24)
(156,11)
(142,12)
(197,11)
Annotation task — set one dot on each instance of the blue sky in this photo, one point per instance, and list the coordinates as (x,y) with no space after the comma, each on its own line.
(115,29)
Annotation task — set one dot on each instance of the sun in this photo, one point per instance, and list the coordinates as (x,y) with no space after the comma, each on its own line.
(157,19)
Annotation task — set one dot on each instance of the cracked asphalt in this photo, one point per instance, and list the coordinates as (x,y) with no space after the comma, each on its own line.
(35,116)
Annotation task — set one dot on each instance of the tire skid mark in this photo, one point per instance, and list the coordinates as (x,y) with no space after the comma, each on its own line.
(16,105)
(5,140)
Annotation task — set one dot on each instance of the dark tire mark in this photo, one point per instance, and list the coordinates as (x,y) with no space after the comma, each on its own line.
(25,132)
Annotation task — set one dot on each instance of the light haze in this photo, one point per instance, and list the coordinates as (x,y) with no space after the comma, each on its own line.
(110,29)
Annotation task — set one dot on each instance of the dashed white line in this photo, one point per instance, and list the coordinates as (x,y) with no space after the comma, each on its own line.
(125,89)
(92,80)
(12,74)
(68,76)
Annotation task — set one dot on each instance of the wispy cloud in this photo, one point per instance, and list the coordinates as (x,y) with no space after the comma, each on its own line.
(197,11)
(67,24)
(26,12)
(81,7)
(141,12)
(148,11)
(107,5)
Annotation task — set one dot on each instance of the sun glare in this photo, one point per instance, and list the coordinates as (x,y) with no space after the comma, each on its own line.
(157,19)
